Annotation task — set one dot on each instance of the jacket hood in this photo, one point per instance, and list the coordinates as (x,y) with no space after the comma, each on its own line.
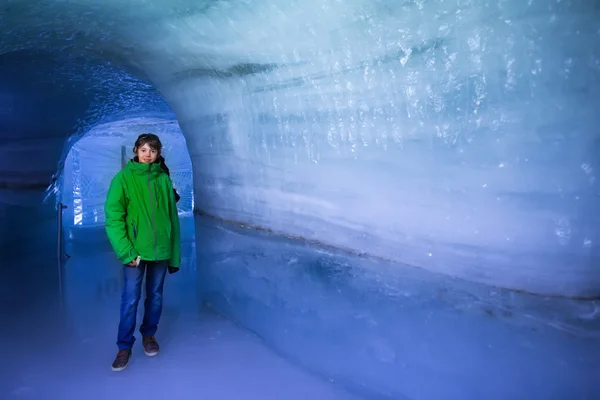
(155,168)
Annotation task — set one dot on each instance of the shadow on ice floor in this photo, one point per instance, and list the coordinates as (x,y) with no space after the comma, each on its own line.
(363,328)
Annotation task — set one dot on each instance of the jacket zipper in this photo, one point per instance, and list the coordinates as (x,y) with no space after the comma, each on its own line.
(152,207)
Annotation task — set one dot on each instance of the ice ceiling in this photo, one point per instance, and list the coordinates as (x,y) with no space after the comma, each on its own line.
(458,136)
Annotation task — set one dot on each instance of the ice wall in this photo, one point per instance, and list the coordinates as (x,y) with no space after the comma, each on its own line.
(390,332)
(457,136)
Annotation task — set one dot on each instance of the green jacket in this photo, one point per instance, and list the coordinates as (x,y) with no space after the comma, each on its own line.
(141,215)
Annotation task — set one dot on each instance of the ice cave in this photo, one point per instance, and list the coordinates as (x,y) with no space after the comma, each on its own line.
(380,199)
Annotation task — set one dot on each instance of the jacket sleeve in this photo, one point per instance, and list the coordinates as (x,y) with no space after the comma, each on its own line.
(115,210)
(175,260)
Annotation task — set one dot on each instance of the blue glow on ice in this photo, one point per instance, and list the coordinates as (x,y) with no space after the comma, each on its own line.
(420,177)
(397,332)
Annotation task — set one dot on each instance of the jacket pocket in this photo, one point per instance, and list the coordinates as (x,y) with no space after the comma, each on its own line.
(133,227)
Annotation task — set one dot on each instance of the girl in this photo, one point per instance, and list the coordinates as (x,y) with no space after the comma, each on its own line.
(142,226)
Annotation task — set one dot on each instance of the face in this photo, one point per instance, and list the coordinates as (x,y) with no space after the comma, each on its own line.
(146,154)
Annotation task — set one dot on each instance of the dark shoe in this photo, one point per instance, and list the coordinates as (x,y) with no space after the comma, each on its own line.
(121,360)
(150,346)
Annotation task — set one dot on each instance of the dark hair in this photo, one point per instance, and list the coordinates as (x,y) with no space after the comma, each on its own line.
(154,142)
(150,139)
(161,161)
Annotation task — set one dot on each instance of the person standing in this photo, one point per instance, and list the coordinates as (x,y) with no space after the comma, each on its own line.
(142,225)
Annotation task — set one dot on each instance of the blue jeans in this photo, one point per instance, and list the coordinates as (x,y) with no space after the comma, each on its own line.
(132,291)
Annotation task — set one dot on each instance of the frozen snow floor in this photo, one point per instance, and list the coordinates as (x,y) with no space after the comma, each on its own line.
(379,329)
(203,355)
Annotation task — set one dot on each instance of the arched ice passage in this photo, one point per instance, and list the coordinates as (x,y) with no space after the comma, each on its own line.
(454,136)
(458,137)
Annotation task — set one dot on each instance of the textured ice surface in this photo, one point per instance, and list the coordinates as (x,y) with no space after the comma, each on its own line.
(457,136)
(48,100)
(450,146)
(398,332)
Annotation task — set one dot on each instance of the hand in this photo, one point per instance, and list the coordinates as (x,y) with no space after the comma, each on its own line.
(135,262)
(172,270)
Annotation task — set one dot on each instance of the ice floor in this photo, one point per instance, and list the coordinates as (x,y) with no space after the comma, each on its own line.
(203,355)
(317,324)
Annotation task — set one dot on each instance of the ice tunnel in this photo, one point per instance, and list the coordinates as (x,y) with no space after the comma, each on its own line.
(400,197)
